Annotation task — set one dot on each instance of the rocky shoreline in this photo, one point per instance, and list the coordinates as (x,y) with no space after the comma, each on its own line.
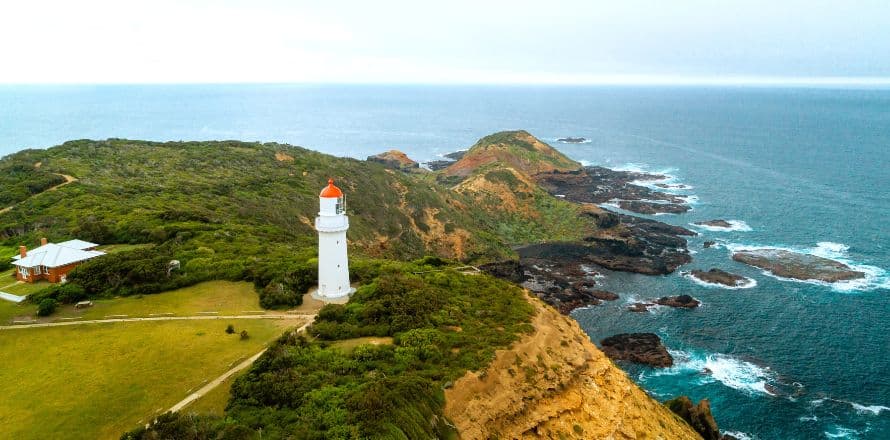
(601,185)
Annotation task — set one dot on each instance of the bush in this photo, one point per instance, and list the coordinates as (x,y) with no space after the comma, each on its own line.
(244,335)
(230,329)
(46,307)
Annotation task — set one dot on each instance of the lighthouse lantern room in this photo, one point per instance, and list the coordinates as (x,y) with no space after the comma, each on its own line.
(333,265)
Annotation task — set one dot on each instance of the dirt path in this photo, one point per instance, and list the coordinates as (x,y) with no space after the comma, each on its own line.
(158,318)
(216,382)
(68,179)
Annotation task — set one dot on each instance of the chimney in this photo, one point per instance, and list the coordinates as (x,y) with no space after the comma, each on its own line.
(43,241)
(23,251)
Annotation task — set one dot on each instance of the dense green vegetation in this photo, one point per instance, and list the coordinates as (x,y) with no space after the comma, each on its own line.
(443,323)
(224,210)
(20,179)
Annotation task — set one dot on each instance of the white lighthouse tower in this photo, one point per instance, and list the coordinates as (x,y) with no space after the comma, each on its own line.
(331,224)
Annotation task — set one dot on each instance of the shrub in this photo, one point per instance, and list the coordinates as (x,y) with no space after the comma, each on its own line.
(230,329)
(244,335)
(46,307)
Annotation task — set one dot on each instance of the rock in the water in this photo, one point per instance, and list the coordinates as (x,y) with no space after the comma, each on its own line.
(789,264)
(644,348)
(680,301)
(708,244)
(639,307)
(717,276)
(572,140)
(394,159)
(698,416)
(715,223)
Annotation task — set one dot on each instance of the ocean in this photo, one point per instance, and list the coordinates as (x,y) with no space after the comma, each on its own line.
(799,168)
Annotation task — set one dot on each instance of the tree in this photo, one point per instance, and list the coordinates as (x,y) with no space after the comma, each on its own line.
(46,307)
(230,329)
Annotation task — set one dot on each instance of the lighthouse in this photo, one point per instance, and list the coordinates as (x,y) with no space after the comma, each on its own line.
(331,224)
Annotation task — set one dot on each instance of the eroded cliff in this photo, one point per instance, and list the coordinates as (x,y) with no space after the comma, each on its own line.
(554,383)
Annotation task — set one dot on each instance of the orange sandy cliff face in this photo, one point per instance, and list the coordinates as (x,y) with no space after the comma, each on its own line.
(554,383)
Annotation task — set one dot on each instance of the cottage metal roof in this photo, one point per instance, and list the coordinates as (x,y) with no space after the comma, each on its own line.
(56,255)
(78,244)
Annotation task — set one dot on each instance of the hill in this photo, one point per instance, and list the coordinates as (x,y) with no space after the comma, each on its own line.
(225,210)
(518,150)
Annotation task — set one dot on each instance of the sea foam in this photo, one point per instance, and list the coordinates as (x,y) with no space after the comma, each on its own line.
(728,370)
(734,225)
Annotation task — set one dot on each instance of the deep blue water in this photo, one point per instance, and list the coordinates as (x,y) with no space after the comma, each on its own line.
(803,168)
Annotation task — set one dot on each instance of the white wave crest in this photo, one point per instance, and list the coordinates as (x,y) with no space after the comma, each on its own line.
(873,409)
(739,435)
(729,371)
(734,225)
(841,432)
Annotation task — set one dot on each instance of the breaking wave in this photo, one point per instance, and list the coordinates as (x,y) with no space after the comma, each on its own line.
(734,225)
(730,371)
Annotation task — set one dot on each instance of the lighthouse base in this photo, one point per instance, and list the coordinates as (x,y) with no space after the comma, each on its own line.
(341,298)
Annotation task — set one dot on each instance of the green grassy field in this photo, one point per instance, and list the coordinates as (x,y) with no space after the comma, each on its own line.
(225,297)
(95,381)
(213,402)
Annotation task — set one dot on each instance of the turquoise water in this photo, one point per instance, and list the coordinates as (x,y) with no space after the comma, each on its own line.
(802,168)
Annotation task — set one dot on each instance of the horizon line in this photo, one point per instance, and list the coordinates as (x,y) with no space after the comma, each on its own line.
(598,80)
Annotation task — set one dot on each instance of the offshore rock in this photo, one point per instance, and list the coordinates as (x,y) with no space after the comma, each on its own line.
(717,276)
(788,264)
(642,348)
(715,223)
(680,301)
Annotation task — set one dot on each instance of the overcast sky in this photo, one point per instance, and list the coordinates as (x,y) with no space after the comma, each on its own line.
(453,41)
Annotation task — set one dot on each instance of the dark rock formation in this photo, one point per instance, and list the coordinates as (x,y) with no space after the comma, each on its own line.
(788,264)
(572,140)
(562,283)
(651,208)
(680,301)
(698,416)
(639,245)
(708,244)
(715,223)
(394,159)
(644,348)
(437,165)
(601,185)
(717,276)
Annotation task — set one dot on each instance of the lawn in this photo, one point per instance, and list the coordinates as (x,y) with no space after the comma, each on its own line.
(9,310)
(95,381)
(213,402)
(225,297)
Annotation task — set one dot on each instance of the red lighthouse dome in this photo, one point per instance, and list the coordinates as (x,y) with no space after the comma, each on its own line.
(331,191)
